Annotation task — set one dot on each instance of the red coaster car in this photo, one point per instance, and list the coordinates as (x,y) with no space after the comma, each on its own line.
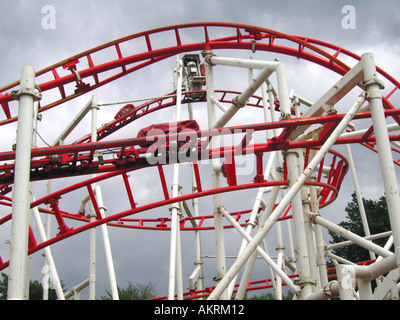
(166,128)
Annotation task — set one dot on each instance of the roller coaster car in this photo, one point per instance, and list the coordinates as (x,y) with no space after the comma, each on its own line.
(125,110)
(166,128)
(156,130)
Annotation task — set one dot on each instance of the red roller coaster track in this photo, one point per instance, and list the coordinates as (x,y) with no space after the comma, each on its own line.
(83,71)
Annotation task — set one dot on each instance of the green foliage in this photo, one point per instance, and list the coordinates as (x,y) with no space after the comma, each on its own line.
(270,296)
(35,289)
(378,220)
(134,292)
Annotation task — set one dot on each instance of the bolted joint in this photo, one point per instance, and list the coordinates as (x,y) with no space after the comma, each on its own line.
(302,282)
(237,103)
(290,151)
(285,116)
(220,209)
(175,205)
(329,109)
(207,55)
(312,216)
(331,290)
(178,210)
(35,93)
(366,83)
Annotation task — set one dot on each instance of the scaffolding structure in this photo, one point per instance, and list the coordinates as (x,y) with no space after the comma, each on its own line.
(296,173)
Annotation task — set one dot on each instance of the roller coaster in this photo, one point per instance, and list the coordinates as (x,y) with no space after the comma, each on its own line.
(289,143)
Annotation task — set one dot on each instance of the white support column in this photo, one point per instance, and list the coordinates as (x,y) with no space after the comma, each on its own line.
(372,87)
(252,218)
(299,228)
(197,235)
(319,243)
(329,291)
(266,227)
(347,277)
(251,261)
(262,252)
(50,270)
(240,101)
(107,246)
(358,195)
(17,278)
(175,267)
(215,182)
(292,159)
(92,232)
(369,245)
(364,289)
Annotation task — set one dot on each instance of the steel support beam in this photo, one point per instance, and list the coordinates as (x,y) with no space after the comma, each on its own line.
(21,204)
(373,88)
(266,227)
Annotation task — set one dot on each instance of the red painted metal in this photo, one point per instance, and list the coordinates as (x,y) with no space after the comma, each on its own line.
(82,70)
(242,38)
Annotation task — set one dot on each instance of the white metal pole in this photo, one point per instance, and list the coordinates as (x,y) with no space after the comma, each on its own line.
(215,182)
(309,230)
(266,227)
(283,90)
(253,215)
(47,234)
(358,195)
(175,257)
(373,87)
(107,247)
(92,232)
(251,261)
(376,269)
(298,222)
(329,291)
(350,235)
(31,186)
(21,205)
(292,158)
(263,254)
(319,243)
(75,291)
(50,265)
(199,259)
(240,101)
(346,277)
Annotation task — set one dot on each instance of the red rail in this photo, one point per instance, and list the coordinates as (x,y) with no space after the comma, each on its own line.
(87,75)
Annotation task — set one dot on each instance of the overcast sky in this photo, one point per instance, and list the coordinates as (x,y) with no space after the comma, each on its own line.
(82,25)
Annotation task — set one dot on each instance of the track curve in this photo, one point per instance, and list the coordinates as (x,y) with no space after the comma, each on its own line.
(80,159)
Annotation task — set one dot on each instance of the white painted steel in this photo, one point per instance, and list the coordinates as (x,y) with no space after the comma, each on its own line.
(372,87)
(263,254)
(175,263)
(107,246)
(350,235)
(358,195)
(354,282)
(92,214)
(17,277)
(287,199)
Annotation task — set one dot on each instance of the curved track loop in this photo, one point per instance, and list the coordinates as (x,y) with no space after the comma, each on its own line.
(127,156)
(236,36)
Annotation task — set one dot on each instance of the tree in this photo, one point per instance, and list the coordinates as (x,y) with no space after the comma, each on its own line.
(378,221)
(270,296)
(35,289)
(134,292)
